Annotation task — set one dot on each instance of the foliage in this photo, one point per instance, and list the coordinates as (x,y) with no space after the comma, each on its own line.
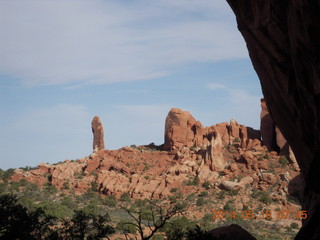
(110,201)
(173,190)
(200,201)
(206,185)
(283,161)
(261,196)
(178,228)
(126,227)
(203,194)
(5,175)
(87,225)
(194,181)
(125,197)
(153,216)
(17,222)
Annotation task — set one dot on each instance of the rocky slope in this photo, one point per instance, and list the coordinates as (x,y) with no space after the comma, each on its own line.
(228,157)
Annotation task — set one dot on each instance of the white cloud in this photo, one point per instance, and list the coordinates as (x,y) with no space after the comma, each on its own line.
(215,86)
(97,42)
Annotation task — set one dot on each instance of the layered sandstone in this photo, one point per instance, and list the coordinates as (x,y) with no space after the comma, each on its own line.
(183,130)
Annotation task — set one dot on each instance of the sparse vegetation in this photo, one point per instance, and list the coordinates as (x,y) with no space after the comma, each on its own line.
(283,161)
(206,185)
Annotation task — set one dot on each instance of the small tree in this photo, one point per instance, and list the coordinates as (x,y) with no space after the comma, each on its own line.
(87,225)
(153,216)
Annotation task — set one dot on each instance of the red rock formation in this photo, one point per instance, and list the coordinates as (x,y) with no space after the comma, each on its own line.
(283,39)
(97,130)
(267,127)
(179,129)
(182,130)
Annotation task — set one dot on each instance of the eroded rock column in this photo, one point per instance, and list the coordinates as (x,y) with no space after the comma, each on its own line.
(98,137)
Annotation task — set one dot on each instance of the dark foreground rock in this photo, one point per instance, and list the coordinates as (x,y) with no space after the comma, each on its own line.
(283,39)
(232,232)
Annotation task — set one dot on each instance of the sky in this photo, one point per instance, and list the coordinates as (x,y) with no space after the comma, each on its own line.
(129,62)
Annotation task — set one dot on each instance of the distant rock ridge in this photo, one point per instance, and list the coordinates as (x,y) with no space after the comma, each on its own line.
(182,130)
(98,134)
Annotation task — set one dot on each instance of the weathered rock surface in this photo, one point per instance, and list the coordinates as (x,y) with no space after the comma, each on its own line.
(267,127)
(182,130)
(98,134)
(283,39)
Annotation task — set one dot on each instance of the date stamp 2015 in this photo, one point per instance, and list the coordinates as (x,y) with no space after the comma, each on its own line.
(268,215)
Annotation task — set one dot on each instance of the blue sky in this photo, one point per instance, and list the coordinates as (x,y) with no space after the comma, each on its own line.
(129,62)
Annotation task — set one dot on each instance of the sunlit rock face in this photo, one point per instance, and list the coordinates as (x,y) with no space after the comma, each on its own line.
(97,130)
(283,39)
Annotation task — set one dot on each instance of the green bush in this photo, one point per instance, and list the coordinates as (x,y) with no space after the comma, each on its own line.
(261,196)
(221,194)
(233,192)
(283,161)
(157,236)
(206,185)
(126,227)
(228,207)
(203,194)
(200,201)
(110,201)
(173,190)
(5,175)
(194,182)
(125,197)
(237,140)
(294,225)
(178,228)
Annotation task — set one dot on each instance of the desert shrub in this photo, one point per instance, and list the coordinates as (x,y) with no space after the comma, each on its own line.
(206,185)
(173,190)
(200,201)
(261,196)
(221,194)
(66,185)
(125,197)
(233,192)
(126,227)
(294,225)
(193,182)
(172,199)
(94,186)
(68,202)
(283,161)
(157,236)
(178,228)
(5,175)
(140,202)
(203,194)
(110,201)
(191,196)
(55,209)
(236,140)
(228,207)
